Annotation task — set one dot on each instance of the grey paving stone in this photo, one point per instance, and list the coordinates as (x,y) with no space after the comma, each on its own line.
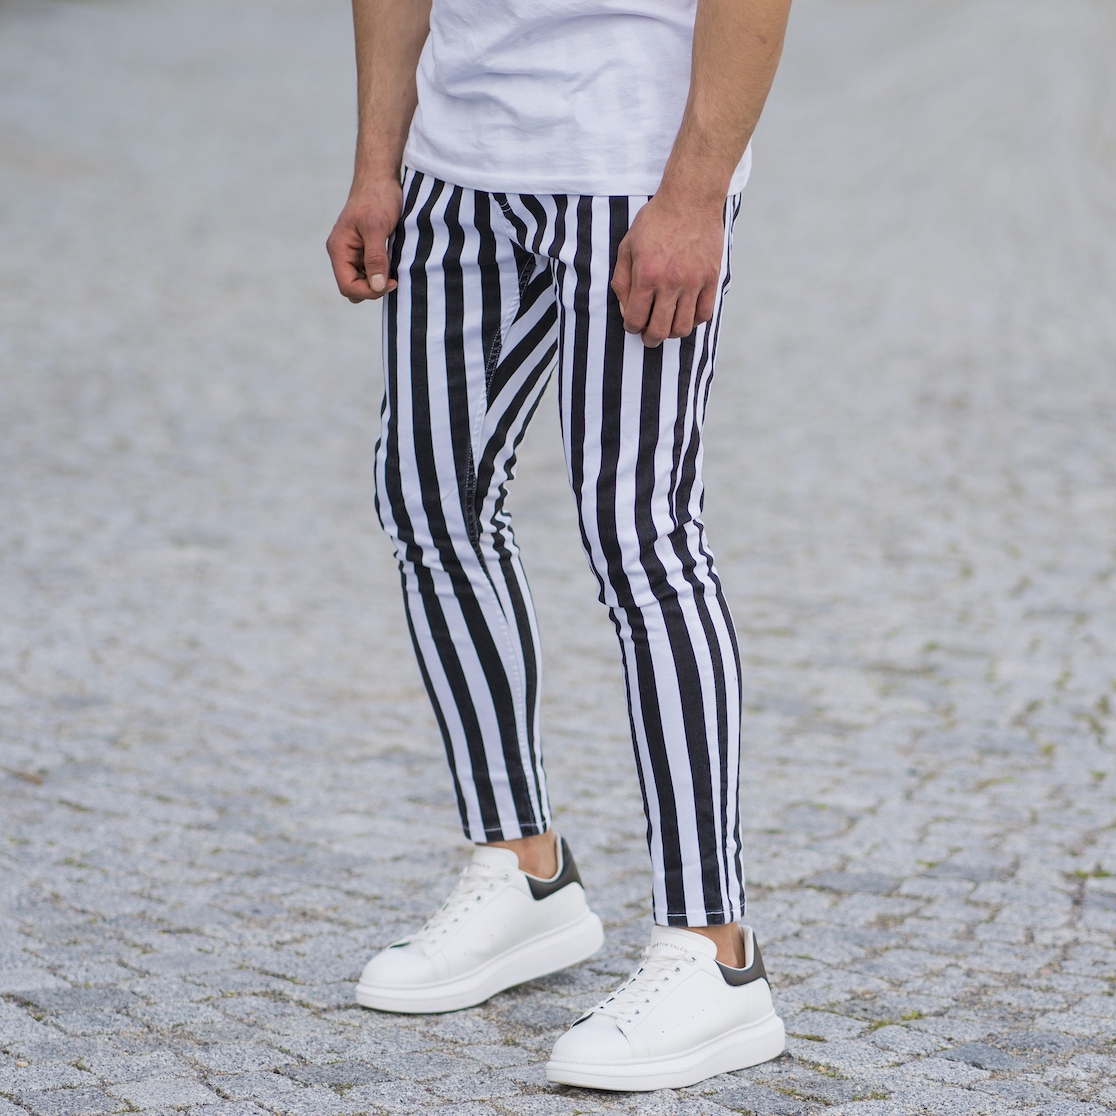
(542,1106)
(955,1027)
(824,1024)
(345,1074)
(1068,1107)
(424,1065)
(856,882)
(176,1014)
(938,1068)
(73,1102)
(20,1082)
(177,1092)
(845,1056)
(1020,1092)
(261,1086)
(870,1108)
(903,1040)
(312,1101)
(789,1079)
(946,1100)
(975,869)
(238,1057)
(467,1109)
(230,1108)
(542,1015)
(498,1056)
(1038,1042)
(28,977)
(1072,1023)
(479,1086)
(48,1045)
(393,1096)
(893,1007)
(80,999)
(94,1022)
(983,1056)
(461,1026)
(112,1068)
(763,1101)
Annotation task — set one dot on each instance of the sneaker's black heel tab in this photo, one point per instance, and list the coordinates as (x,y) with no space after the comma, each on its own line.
(567,874)
(754,971)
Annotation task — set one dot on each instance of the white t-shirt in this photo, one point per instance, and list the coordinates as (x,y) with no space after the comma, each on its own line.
(554,96)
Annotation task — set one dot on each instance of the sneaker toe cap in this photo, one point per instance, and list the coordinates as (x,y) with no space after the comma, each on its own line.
(398,967)
(594,1041)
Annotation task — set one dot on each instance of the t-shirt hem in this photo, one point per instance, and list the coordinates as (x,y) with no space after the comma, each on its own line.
(471,179)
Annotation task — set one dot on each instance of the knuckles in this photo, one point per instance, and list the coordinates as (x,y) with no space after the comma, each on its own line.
(672,278)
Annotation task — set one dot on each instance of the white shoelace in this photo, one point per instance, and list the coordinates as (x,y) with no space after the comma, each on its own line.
(477,881)
(656,970)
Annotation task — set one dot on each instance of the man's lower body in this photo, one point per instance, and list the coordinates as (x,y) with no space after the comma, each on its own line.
(496,293)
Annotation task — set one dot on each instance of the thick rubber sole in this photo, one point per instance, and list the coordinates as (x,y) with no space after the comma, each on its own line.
(547,953)
(742,1047)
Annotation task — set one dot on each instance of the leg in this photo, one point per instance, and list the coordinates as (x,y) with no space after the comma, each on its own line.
(469,342)
(699,1002)
(469,338)
(632,422)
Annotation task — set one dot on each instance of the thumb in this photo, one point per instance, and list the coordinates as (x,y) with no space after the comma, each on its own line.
(376,265)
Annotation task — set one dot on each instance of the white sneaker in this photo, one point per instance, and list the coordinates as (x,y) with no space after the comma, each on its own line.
(498,928)
(681,1017)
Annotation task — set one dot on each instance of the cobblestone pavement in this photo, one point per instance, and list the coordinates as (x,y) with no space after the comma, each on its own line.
(222,788)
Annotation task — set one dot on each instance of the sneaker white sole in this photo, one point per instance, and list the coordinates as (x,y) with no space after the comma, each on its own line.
(739,1048)
(546,953)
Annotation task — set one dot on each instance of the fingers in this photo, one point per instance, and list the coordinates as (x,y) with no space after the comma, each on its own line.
(636,298)
(622,281)
(661,320)
(653,303)
(707,300)
(684,311)
(358,253)
(667,269)
(637,310)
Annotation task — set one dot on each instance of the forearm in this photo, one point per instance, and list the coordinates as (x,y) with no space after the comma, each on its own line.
(389,38)
(737,46)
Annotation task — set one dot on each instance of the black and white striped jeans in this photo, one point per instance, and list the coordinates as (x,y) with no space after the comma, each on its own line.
(492,289)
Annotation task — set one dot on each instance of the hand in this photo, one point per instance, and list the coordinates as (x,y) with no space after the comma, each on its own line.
(358,244)
(668,268)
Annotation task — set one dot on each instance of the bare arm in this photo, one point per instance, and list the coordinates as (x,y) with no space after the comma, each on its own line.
(667,266)
(389,38)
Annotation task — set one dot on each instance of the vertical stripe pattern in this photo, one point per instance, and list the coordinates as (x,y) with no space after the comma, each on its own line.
(495,291)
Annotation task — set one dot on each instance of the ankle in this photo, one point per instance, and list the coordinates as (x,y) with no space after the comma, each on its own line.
(538,855)
(727,939)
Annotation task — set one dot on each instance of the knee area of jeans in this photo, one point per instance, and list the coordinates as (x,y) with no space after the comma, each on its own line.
(456,534)
(426,547)
(652,572)
(636,590)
